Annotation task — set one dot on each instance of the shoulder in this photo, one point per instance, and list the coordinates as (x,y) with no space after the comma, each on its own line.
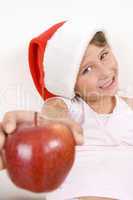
(128,100)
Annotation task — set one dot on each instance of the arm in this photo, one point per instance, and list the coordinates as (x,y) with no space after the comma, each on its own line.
(53,109)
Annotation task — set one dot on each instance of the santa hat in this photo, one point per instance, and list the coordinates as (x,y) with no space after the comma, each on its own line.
(56,54)
(55,57)
(36,54)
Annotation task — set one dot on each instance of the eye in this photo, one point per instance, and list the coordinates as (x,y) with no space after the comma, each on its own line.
(87,69)
(104,55)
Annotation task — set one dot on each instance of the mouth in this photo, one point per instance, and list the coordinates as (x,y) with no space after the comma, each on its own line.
(109,84)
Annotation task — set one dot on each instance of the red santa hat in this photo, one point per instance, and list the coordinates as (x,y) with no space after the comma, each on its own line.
(55,57)
(36,54)
(56,54)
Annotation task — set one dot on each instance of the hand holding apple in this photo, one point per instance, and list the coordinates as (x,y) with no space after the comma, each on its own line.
(38,158)
(15,122)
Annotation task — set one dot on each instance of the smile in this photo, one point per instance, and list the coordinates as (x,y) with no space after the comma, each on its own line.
(111,83)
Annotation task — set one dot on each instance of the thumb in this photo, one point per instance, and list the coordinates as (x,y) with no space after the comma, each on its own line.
(9,122)
(11,119)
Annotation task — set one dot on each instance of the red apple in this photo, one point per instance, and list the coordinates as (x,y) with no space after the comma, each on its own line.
(38,158)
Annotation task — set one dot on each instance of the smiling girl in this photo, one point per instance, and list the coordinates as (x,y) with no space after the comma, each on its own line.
(76,72)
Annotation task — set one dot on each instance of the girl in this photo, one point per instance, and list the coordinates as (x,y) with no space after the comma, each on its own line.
(75,71)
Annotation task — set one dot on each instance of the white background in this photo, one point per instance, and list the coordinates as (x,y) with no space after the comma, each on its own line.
(20,21)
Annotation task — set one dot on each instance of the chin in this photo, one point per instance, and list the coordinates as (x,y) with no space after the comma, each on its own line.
(92,96)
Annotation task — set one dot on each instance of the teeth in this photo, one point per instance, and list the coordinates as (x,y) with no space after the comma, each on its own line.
(107,84)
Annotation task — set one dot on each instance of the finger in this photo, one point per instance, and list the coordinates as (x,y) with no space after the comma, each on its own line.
(76,129)
(77,133)
(2,137)
(11,119)
(2,166)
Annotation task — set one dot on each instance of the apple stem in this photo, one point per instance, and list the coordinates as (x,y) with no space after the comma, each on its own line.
(35,118)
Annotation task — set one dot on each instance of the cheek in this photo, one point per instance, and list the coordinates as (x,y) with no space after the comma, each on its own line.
(87,83)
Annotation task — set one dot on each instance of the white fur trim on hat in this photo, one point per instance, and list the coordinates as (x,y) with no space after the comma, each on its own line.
(64,53)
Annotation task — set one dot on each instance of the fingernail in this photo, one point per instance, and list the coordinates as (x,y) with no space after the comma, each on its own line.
(80,139)
(9,127)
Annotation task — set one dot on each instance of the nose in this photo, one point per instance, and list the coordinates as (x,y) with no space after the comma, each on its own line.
(104,70)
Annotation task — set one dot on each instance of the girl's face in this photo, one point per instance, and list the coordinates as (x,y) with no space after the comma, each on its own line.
(98,74)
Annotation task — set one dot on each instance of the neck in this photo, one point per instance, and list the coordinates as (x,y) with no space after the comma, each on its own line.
(103,104)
